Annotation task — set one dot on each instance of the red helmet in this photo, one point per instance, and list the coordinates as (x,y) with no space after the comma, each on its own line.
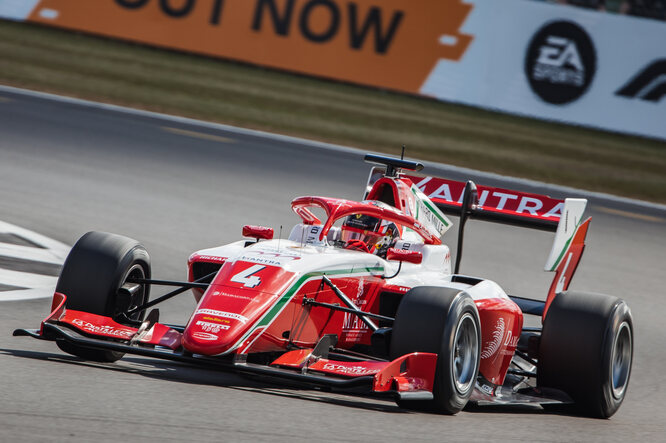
(376,234)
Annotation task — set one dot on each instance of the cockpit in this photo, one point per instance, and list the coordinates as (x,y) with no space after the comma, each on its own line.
(369,226)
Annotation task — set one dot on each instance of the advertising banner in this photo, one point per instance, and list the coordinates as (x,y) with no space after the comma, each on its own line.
(560,63)
(524,57)
(389,43)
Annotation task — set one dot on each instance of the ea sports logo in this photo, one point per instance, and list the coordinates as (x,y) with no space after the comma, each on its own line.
(560,62)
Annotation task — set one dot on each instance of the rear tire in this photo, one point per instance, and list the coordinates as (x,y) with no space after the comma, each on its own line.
(586,350)
(96,267)
(443,321)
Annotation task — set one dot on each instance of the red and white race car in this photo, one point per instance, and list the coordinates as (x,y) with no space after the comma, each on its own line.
(363,298)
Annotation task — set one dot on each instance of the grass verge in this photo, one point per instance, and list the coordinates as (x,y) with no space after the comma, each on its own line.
(122,73)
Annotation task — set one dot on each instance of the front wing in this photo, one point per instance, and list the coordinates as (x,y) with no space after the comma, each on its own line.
(409,377)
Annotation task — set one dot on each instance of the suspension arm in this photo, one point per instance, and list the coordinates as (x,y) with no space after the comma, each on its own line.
(169,295)
(312,302)
(148,281)
(344,299)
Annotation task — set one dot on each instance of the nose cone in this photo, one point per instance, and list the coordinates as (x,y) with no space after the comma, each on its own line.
(213,331)
(239,296)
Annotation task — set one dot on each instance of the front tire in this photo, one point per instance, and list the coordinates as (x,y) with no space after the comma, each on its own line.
(443,321)
(96,267)
(586,350)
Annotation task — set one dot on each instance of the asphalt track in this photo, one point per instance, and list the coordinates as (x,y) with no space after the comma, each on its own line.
(66,169)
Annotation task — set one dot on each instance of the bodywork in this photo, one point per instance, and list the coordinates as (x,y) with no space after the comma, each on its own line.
(307,309)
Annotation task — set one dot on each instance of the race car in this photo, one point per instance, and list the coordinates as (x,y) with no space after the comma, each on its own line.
(363,298)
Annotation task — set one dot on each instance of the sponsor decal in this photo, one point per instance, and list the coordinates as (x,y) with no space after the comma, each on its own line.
(352,325)
(226,294)
(649,84)
(311,237)
(428,214)
(204,336)
(359,292)
(394,288)
(510,343)
(561,62)
(107,330)
(362,222)
(493,345)
(353,328)
(269,258)
(222,314)
(208,258)
(219,320)
(486,388)
(211,327)
(442,190)
(353,322)
(352,370)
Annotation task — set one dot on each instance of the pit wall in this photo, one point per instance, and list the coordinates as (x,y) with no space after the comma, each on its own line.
(524,57)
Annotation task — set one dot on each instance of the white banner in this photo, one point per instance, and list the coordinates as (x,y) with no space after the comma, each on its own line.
(560,63)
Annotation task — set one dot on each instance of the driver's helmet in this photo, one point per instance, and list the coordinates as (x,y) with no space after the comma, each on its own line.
(378,235)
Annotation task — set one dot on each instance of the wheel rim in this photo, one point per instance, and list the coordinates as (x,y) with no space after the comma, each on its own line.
(465,354)
(621,360)
(136,272)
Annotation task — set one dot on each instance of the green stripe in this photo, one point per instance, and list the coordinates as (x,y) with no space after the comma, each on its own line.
(566,247)
(289,294)
(428,204)
(435,211)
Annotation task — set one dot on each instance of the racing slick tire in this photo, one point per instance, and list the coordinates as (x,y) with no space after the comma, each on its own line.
(586,350)
(443,321)
(96,267)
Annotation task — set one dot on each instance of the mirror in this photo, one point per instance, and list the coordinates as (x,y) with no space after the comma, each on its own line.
(258,232)
(402,255)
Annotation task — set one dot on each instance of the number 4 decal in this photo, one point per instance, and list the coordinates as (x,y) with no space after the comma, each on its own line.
(246,277)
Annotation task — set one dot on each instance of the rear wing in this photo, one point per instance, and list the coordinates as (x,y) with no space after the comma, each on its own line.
(528,210)
(510,207)
(494,204)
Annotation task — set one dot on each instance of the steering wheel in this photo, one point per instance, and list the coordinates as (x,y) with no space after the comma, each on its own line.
(357,245)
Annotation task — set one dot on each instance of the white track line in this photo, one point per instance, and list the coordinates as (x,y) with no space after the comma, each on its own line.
(27,294)
(37,285)
(57,249)
(26,279)
(28,253)
(316,144)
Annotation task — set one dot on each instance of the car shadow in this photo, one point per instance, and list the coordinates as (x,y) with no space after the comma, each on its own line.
(178,372)
(564,410)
